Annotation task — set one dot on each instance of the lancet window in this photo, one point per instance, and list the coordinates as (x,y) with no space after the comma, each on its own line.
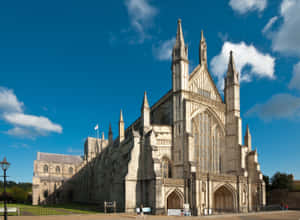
(166,168)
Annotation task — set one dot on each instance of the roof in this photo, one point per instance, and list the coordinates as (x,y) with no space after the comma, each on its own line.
(59,158)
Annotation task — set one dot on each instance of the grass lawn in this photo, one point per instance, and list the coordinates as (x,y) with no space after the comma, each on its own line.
(67,209)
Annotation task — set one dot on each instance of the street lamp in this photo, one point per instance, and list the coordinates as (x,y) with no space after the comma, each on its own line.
(4,165)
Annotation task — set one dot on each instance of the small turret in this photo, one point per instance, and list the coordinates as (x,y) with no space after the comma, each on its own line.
(233,77)
(179,50)
(202,51)
(121,127)
(232,88)
(145,112)
(247,139)
(233,122)
(110,135)
(180,63)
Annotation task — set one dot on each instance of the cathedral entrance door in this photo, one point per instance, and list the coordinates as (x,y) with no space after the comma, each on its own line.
(223,200)
(174,201)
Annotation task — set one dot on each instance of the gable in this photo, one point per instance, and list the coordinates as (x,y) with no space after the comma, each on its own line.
(201,82)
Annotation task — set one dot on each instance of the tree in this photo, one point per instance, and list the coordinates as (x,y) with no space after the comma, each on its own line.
(282,181)
(267,182)
(18,194)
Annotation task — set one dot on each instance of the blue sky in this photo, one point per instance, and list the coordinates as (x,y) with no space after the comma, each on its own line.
(67,65)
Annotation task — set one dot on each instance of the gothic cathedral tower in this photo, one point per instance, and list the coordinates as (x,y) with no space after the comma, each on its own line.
(180,74)
(233,123)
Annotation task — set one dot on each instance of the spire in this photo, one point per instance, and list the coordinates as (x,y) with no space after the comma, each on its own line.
(231,65)
(110,130)
(145,101)
(121,127)
(247,138)
(145,112)
(121,116)
(179,35)
(202,51)
(202,36)
(180,50)
(248,131)
(103,138)
(232,74)
(110,135)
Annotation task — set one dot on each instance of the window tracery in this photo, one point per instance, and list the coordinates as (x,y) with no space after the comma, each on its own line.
(207,141)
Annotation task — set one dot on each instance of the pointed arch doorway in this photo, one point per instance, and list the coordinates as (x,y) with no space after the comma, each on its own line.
(223,200)
(174,201)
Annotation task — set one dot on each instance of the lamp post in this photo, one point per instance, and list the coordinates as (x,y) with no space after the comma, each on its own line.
(4,165)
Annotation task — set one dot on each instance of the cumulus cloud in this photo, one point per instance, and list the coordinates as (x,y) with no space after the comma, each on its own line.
(164,50)
(37,122)
(8,101)
(295,81)
(26,126)
(244,6)
(270,24)
(279,106)
(141,14)
(287,38)
(248,60)
(27,133)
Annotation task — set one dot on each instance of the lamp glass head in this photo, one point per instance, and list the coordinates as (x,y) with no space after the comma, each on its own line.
(4,164)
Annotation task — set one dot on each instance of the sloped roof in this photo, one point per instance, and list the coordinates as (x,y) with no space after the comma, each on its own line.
(59,158)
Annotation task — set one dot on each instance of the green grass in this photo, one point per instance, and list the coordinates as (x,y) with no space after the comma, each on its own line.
(68,209)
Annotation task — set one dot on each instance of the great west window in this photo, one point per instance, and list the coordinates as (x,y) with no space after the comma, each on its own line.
(207,141)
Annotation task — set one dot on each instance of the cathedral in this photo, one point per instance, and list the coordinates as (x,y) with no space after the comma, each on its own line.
(184,151)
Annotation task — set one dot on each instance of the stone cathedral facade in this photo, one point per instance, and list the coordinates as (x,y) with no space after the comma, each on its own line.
(187,148)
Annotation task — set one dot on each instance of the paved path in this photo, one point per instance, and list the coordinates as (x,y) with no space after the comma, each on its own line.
(278,215)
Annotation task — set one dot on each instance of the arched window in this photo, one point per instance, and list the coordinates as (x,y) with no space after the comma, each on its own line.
(45,168)
(166,168)
(71,170)
(208,139)
(57,169)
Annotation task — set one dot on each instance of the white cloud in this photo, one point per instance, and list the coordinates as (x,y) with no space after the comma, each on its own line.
(295,81)
(37,122)
(141,14)
(270,24)
(164,50)
(24,133)
(285,5)
(287,38)
(260,65)
(26,126)
(9,101)
(243,6)
(279,106)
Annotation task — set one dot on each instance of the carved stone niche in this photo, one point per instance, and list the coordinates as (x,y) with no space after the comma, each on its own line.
(203,187)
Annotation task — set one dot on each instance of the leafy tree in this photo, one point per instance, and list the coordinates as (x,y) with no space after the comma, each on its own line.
(282,181)
(18,194)
(267,182)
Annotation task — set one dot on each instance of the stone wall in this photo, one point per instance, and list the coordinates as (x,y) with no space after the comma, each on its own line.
(292,199)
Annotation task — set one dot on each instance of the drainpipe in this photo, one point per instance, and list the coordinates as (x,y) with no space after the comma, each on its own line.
(238,194)
(248,194)
(208,194)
